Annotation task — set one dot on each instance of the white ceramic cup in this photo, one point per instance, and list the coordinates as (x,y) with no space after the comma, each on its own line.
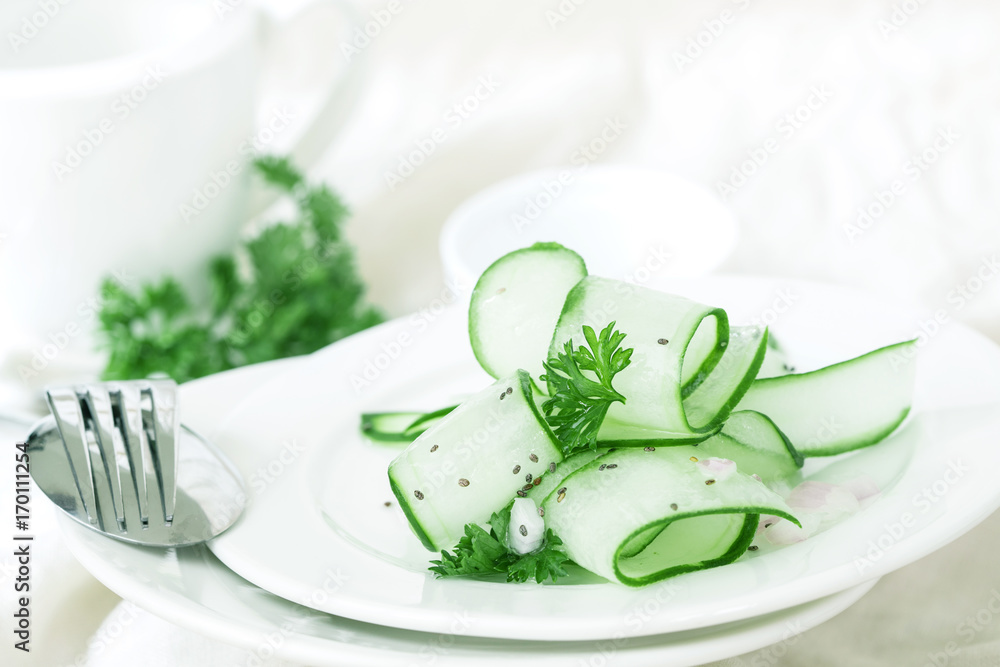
(627,222)
(126,130)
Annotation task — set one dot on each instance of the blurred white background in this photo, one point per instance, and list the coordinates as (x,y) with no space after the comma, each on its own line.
(869,130)
(890,93)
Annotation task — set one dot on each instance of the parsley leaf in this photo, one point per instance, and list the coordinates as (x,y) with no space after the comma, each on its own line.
(578,404)
(483,553)
(289,291)
(540,565)
(478,552)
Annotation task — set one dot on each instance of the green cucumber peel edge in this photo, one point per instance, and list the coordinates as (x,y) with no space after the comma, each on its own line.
(472,325)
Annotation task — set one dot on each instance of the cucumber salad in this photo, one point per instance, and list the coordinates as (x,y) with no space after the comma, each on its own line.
(635,433)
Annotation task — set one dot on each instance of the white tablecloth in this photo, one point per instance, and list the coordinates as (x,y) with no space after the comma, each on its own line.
(879,93)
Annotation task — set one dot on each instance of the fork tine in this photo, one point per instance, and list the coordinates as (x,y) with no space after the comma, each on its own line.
(99,404)
(163,395)
(126,399)
(65,407)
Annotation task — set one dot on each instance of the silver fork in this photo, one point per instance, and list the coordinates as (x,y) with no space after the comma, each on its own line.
(110,457)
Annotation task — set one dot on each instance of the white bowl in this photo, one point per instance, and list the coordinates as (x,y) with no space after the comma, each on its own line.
(626,222)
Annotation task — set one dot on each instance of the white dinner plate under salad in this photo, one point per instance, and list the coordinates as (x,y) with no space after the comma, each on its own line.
(319,532)
(192,589)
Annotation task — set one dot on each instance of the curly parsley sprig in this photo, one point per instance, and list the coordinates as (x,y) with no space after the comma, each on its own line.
(578,404)
(288,291)
(481,553)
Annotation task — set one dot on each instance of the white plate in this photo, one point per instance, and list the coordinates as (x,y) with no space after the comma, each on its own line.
(192,589)
(319,512)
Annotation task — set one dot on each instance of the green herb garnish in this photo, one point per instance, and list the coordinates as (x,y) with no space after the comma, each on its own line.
(578,404)
(289,291)
(482,553)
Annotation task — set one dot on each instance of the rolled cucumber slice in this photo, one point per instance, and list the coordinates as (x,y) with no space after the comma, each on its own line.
(473,461)
(756,445)
(688,370)
(842,407)
(637,516)
(776,361)
(553,479)
(400,426)
(515,306)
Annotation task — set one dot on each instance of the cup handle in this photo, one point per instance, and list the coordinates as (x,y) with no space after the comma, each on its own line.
(327,104)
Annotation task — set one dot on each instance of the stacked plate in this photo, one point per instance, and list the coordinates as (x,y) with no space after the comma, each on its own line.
(323,569)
